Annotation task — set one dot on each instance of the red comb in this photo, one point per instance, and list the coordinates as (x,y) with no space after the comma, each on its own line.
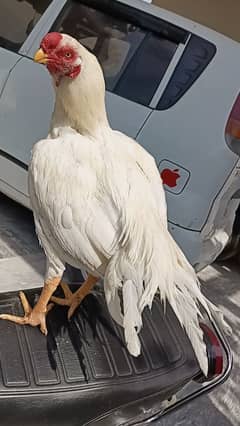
(50,41)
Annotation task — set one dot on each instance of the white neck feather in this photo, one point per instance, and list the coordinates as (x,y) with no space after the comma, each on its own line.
(80,102)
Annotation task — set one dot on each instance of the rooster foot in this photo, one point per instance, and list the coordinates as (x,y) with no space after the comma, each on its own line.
(32,316)
(73,300)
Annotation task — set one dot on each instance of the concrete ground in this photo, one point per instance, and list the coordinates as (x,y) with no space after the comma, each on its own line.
(22,265)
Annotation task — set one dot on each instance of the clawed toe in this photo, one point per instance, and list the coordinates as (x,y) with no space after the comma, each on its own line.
(31,316)
(74,305)
(73,300)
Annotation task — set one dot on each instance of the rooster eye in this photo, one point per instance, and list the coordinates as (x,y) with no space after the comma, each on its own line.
(68,54)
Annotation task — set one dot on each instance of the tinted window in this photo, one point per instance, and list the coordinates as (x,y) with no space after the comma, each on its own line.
(144,73)
(17,19)
(134,59)
(196,57)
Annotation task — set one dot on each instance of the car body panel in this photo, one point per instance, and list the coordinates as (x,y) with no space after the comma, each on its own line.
(176,135)
(26,104)
(8,61)
(125,115)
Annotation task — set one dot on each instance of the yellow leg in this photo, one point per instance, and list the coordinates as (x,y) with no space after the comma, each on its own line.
(37,315)
(74,299)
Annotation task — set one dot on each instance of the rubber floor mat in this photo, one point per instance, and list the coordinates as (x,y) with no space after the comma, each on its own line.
(81,373)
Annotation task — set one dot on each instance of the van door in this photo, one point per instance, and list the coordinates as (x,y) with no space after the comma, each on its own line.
(20,117)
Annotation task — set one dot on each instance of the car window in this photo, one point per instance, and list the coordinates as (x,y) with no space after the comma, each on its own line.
(144,73)
(196,57)
(133,58)
(17,19)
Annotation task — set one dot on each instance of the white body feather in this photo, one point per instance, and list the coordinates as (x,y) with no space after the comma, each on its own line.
(99,204)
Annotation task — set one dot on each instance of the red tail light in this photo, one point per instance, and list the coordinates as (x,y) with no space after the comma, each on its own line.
(232,131)
(214,353)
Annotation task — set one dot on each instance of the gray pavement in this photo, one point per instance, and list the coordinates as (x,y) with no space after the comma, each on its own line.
(22,265)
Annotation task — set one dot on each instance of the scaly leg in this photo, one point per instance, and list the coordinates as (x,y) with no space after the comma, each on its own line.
(37,315)
(74,299)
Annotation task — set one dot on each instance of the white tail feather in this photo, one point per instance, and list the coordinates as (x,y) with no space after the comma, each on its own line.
(132,321)
(168,272)
(186,309)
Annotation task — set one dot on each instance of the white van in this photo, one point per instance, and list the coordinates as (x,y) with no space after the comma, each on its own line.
(172,84)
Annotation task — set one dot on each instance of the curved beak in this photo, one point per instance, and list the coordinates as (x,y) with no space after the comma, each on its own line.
(40,57)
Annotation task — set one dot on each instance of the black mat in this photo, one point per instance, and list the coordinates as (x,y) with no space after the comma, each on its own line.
(81,372)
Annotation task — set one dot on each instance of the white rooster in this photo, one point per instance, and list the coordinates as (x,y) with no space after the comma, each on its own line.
(99,204)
